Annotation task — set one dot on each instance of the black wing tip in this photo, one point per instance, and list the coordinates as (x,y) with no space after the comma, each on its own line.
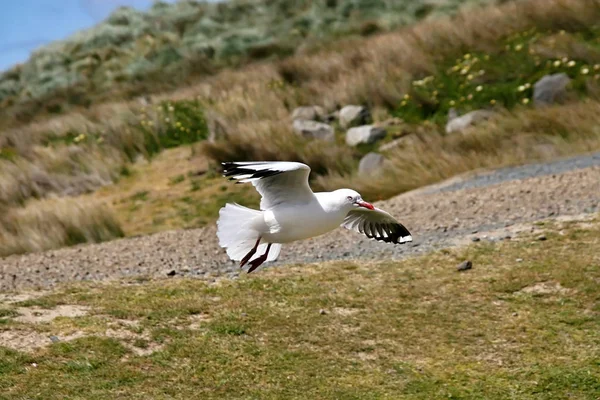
(231,169)
(396,234)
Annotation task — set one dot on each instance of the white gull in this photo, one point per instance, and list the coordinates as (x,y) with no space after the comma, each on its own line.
(290,211)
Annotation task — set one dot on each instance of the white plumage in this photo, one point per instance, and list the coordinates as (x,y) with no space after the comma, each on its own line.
(290,211)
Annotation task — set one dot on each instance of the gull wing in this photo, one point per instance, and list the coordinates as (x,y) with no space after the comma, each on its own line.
(276,181)
(377,224)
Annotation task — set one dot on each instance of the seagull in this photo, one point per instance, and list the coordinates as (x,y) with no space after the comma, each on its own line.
(291,211)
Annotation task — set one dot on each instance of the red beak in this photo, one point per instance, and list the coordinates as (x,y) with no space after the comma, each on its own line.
(365,205)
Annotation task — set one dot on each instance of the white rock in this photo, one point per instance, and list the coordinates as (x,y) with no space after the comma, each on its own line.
(311,113)
(313,130)
(550,89)
(460,123)
(370,164)
(364,134)
(354,115)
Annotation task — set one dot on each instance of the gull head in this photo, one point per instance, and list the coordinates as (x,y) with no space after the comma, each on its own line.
(350,199)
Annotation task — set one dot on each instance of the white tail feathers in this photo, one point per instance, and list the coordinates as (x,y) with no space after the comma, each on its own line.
(236,230)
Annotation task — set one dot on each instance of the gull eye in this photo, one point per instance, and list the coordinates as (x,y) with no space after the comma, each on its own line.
(349,198)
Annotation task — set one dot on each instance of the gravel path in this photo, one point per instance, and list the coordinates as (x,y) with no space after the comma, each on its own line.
(436,216)
(523,172)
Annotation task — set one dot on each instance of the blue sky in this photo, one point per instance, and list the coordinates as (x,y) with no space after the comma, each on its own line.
(28,24)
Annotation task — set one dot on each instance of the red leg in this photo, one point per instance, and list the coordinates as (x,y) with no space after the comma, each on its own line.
(250,254)
(257,262)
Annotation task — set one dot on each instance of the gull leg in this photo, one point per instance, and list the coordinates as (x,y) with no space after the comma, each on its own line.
(250,254)
(257,262)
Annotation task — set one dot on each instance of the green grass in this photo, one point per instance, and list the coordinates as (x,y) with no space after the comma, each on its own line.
(413,329)
(504,77)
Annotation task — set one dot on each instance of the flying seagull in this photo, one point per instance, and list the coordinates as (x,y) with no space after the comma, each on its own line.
(290,211)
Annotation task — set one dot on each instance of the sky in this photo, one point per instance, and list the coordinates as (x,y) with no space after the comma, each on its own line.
(26,25)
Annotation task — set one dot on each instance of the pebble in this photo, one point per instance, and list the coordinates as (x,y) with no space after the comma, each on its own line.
(322,312)
(475,239)
(541,238)
(465,265)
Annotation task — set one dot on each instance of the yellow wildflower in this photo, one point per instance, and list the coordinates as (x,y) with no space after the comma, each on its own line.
(518,47)
(556,63)
(585,70)
(470,96)
(571,64)
(492,101)
(525,100)
(479,88)
(452,102)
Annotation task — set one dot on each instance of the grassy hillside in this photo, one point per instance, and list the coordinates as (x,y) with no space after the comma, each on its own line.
(409,78)
(134,52)
(523,323)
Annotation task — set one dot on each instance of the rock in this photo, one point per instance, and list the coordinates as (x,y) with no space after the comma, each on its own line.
(459,123)
(550,89)
(354,115)
(171,273)
(54,339)
(364,134)
(313,130)
(322,312)
(465,265)
(311,113)
(370,164)
(217,127)
(475,239)
(541,238)
(519,260)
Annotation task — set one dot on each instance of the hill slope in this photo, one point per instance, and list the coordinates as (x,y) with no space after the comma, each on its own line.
(134,52)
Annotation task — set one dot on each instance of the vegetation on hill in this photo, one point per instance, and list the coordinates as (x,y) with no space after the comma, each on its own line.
(135,52)
(409,78)
(523,323)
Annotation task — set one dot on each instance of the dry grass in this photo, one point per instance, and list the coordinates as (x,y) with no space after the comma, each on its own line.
(521,137)
(176,189)
(54,222)
(377,72)
(523,323)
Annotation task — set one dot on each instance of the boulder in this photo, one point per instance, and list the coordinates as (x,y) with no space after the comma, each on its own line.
(459,123)
(370,164)
(364,134)
(354,115)
(550,89)
(313,130)
(310,113)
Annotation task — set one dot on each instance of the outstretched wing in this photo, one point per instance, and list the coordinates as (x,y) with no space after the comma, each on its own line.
(377,224)
(276,181)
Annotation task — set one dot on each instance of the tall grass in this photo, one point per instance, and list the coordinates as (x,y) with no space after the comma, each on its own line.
(54,222)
